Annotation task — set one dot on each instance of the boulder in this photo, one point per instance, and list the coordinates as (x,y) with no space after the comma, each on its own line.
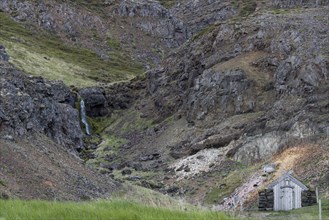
(147,157)
(269,168)
(126,172)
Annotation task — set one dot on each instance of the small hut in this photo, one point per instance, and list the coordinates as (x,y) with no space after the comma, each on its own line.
(285,193)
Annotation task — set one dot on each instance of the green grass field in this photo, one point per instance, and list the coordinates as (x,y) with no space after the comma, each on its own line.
(310,212)
(117,209)
(124,210)
(305,213)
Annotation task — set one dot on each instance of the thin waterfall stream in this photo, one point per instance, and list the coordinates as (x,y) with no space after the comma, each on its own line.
(83,116)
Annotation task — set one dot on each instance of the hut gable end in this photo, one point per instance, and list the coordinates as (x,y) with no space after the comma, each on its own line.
(289,177)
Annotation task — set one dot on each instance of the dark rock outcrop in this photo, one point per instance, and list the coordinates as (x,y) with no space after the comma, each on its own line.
(198,15)
(30,104)
(221,93)
(95,101)
(193,74)
(161,22)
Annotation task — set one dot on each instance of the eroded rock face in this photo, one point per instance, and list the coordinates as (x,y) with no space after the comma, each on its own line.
(294,3)
(221,93)
(95,102)
(156,20)
(123,95)
(265,65)
(199,14)
(31,104)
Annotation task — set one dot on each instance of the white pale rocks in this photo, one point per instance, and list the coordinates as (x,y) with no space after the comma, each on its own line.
(199,162)
(262,147)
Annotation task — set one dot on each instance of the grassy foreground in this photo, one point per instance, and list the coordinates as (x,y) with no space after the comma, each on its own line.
(117,209)
(310,212)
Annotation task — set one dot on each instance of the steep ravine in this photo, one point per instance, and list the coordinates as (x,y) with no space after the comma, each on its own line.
(40,136)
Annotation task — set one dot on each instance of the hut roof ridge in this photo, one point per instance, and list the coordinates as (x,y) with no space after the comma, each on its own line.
(293,179)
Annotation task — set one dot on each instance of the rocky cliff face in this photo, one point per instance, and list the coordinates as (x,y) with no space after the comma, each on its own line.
(33,105)
(200,14)
(255,65)
(154,19)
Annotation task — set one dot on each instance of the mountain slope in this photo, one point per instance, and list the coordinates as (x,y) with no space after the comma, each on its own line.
(225,103)
(237,85)
(88,43)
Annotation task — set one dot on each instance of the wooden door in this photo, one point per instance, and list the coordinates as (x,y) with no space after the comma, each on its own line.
(287,198)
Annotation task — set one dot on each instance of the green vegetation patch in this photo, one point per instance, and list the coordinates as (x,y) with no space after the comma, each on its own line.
(42,54)
(100,123)
(111,130)
(248,7)
(116,209)
(310,212)
(109,145)
(229,183)
(167,3)
(2,183)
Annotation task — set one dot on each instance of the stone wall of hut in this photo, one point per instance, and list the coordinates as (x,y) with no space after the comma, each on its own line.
(308,198)
(266,200)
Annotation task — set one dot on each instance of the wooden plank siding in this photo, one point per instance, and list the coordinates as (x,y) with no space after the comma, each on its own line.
(287,192)
(287,198)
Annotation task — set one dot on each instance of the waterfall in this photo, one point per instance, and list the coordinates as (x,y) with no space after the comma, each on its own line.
(83,116)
